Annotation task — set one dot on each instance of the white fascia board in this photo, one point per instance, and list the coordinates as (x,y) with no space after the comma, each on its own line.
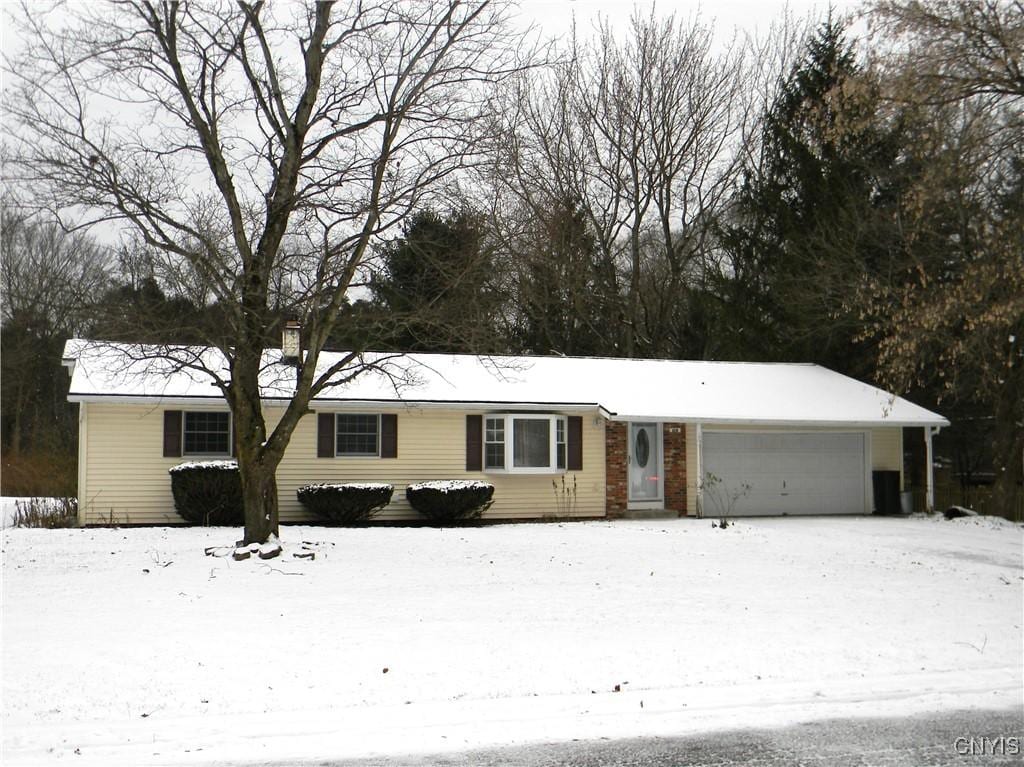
(576,407)
(130,399)
(754,423)
(344,404)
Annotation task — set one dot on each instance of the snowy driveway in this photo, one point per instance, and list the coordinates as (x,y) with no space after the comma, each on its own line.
(956,738)
(133,647)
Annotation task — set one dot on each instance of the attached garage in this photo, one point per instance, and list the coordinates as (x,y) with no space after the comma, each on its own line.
(787,472)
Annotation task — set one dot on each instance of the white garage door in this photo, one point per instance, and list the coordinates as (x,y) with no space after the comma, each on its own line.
(787,473)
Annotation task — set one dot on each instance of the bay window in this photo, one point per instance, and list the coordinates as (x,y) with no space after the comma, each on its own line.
(524,443)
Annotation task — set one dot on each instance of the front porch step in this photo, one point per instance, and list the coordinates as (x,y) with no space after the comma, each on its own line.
(650,514)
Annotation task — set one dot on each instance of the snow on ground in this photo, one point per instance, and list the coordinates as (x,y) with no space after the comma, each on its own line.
(130,647)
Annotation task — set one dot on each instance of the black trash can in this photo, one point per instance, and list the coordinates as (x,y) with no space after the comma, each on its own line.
(887,492)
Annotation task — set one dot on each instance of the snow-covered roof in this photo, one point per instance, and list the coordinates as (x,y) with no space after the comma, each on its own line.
(697,391)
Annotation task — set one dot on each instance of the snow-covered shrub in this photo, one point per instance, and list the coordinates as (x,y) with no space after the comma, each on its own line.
(450,501)
(208,492)
(347,504)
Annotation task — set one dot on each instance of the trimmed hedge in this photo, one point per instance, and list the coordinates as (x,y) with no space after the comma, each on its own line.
(208,492)
(450,501)
(345,504)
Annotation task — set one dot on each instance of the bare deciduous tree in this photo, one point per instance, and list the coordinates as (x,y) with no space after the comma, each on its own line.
(48,280)
(48,272)
(960,48)
(249,140)
(956,325)
(639,134)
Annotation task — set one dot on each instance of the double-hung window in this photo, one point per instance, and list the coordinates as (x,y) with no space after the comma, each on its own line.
(357,434)
(206,433)
(524,443)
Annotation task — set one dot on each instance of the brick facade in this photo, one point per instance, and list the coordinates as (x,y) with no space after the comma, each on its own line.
(675,467)
(616,476)
(616,451)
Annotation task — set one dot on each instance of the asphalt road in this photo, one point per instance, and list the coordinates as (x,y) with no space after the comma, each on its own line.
(960,738)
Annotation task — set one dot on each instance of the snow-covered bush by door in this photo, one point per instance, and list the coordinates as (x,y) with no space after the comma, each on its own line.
(450,501)
(208,492)
(345,504)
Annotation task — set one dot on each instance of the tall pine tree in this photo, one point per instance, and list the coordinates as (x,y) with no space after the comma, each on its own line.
(436,287)
(814,217)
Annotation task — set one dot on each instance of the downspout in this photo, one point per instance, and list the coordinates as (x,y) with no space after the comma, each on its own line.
(929,476)
(83,460)
(700,471)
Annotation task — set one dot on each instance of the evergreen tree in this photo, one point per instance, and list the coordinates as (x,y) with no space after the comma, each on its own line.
(815,218)
(143,313)
(436,289)
(567,297)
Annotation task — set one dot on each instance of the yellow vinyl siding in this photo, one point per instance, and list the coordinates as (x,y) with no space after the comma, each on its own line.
(887,450)
(432,445)
(126,479)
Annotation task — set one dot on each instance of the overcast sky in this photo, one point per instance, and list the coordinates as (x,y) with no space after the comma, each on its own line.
(554,17)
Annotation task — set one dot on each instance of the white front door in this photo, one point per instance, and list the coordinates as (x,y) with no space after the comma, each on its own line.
(645,475)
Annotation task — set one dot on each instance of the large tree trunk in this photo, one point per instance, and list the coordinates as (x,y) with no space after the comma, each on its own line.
(256,463)
(259,494)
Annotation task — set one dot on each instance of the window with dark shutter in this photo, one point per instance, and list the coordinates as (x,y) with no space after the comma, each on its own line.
(388,435)
(575,443)
(172,433)
(325,435)
(474,442)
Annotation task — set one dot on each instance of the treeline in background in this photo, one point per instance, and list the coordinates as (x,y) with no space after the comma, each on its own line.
(848,192)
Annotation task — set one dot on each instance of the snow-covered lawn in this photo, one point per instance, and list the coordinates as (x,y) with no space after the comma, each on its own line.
(128,647)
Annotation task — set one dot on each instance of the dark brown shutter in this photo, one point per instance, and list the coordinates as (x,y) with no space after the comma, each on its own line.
(574,444)
(172,434)
(325,435)
(388,435)
(234,436)
(474,442)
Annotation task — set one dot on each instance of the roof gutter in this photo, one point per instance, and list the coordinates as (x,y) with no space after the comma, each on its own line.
(784,422)
(339,403)
(587,407)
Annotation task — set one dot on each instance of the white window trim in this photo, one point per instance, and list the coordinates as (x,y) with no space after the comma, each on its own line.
(508,423)
(231,435)
(356,455)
